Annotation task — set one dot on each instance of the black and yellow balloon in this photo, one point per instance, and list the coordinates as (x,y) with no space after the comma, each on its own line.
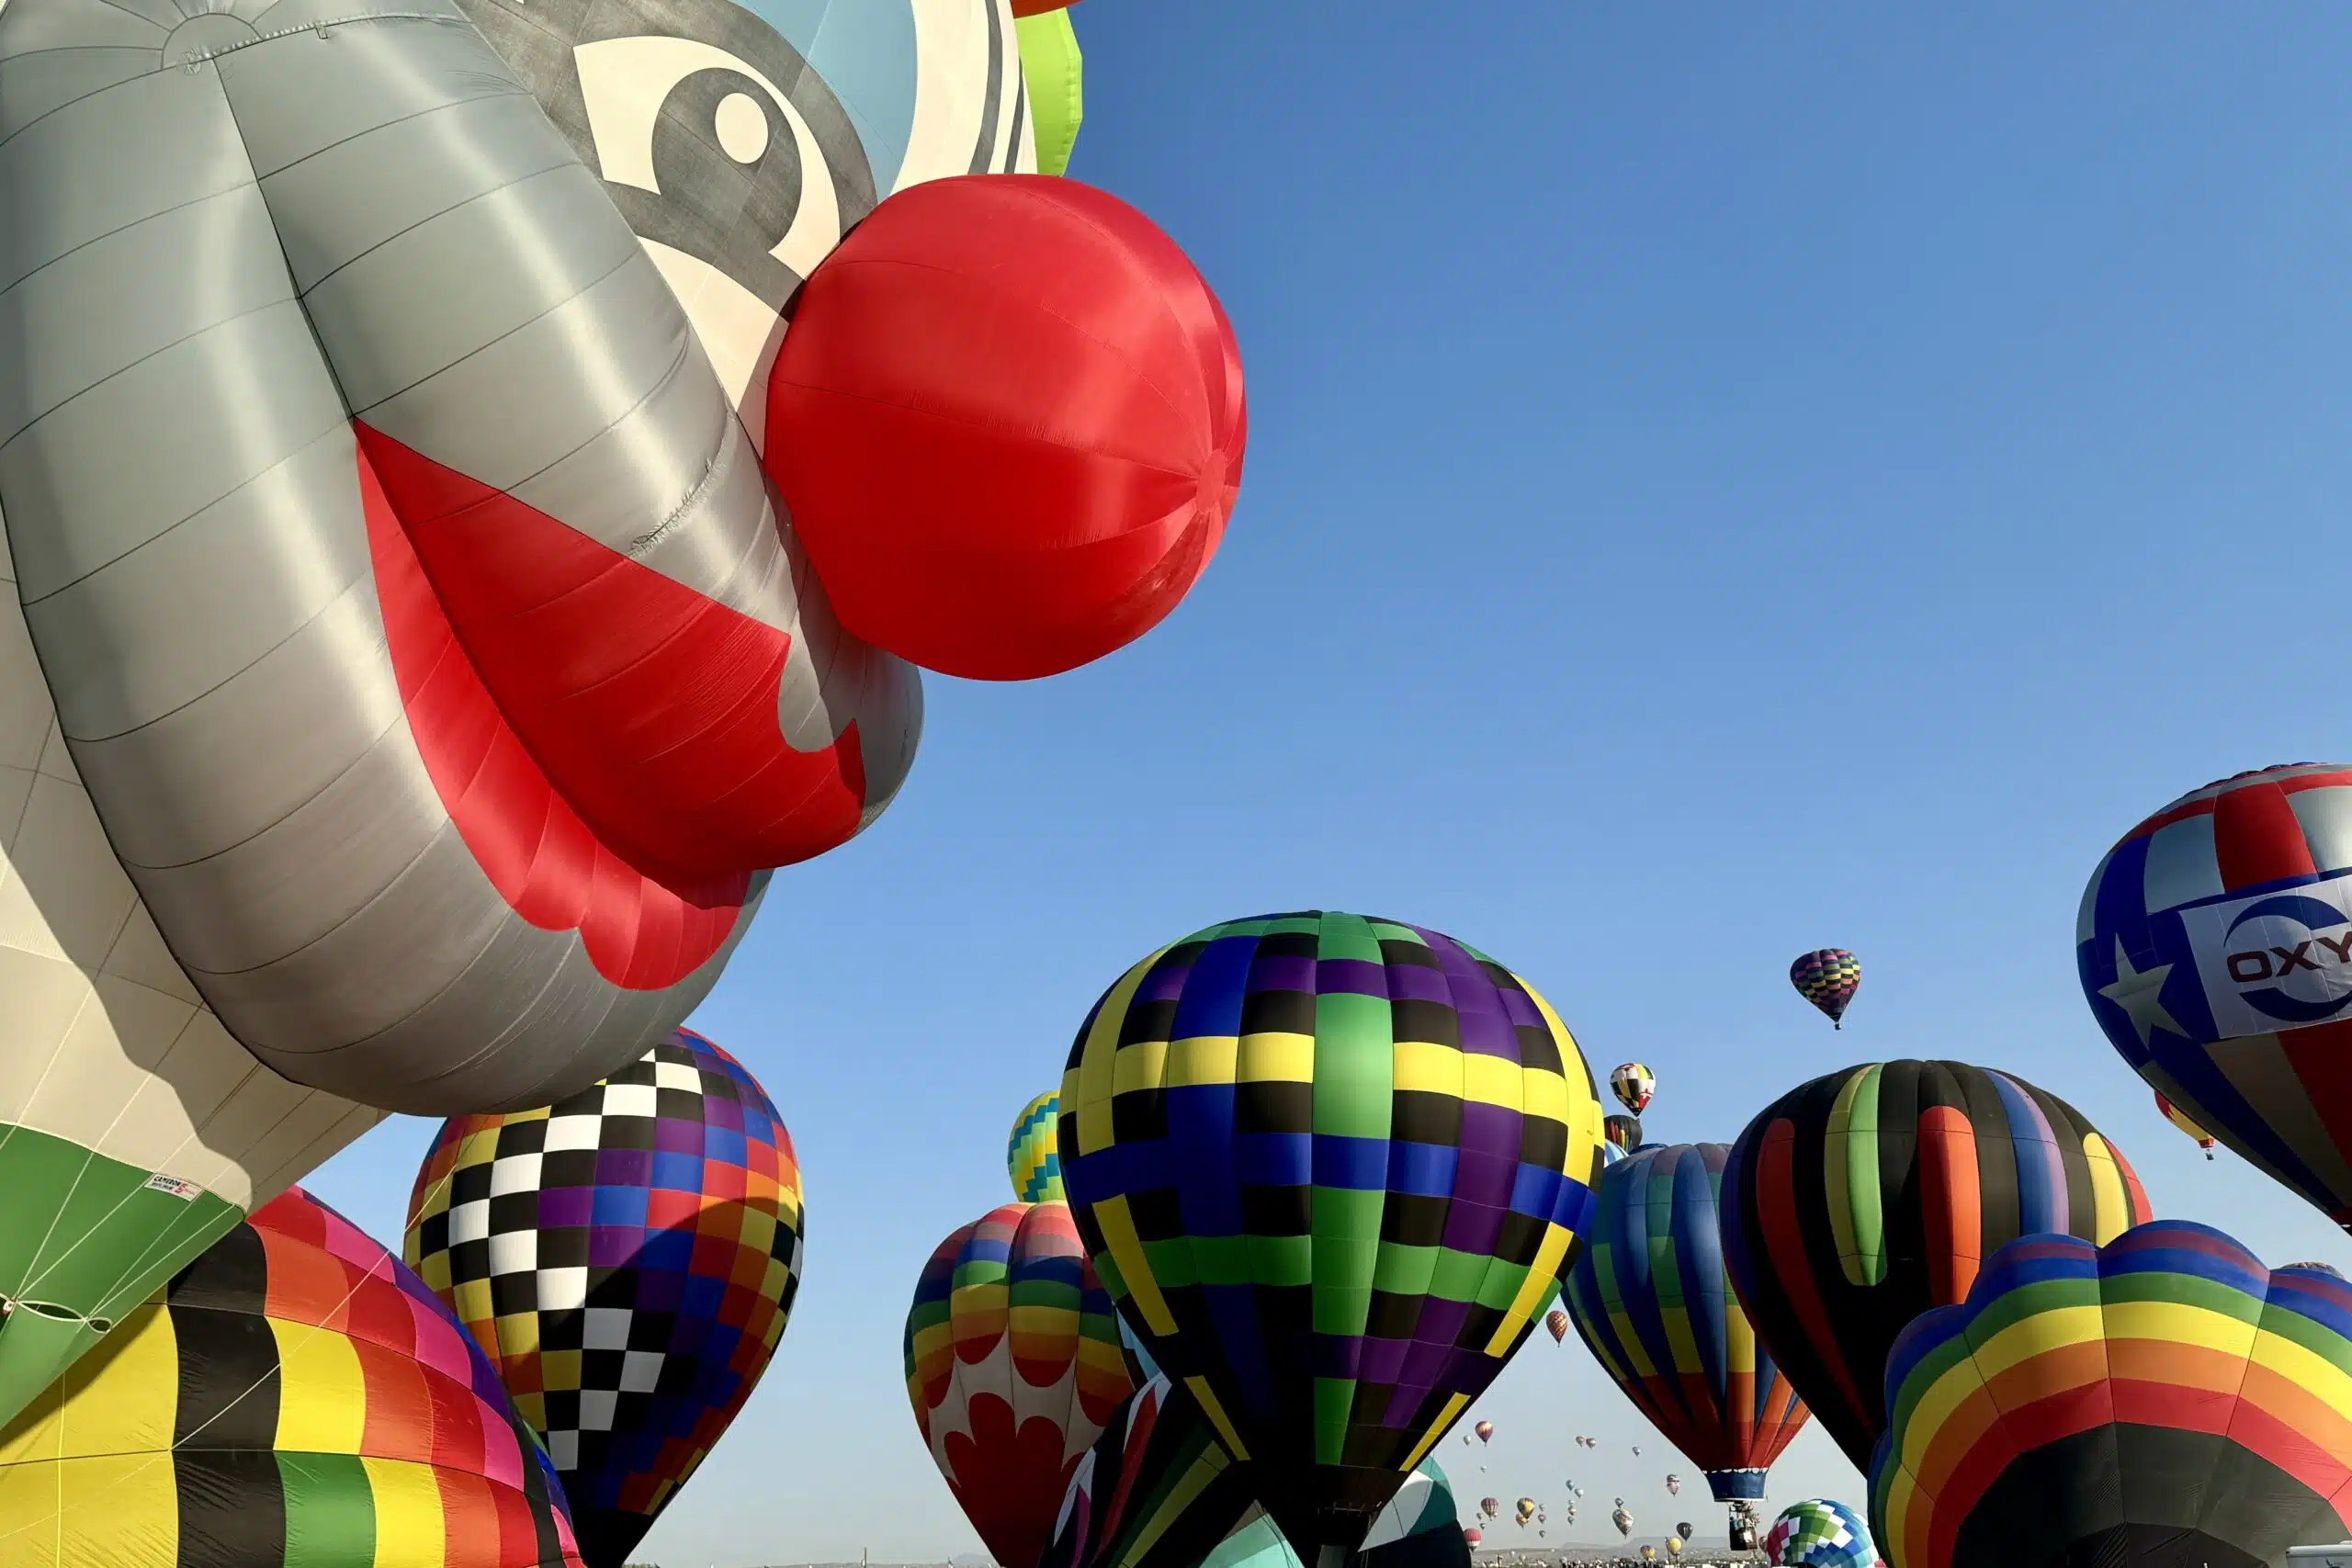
(1332,1168)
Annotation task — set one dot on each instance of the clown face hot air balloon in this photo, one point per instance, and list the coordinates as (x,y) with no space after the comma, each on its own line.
(1012,1367)
(1862,1199)
(1421,1136)
(1651,1300)
(2212,947)
(2160,1400)
(1030,1156)
(629,1258)
(294,1397)
(2173,1114)
(1674,1485)
(1828,978)
(1820,1533)
(1632,1084)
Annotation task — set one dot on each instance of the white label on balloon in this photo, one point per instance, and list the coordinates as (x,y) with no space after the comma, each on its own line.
(185,1191)
(2276,960)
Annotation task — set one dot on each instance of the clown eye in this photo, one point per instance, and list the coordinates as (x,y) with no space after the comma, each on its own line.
(707,151)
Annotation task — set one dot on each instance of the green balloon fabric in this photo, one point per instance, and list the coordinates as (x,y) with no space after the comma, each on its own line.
(1055,73)
(1332,1170)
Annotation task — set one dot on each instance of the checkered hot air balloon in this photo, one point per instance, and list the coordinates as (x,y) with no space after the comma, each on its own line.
(1030,1155)
(294,1398)
(1828,978)
(1632,1084)
(2160,1400)
(1651,1301)
(1821,1533)
(628,1259)
(1861,1199)
(1387,1141)
(2214,945)
(1014,1365)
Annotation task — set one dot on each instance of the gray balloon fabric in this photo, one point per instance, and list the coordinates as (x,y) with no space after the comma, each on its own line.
(431,648)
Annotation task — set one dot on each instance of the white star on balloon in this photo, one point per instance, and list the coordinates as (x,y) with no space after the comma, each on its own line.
(2140,993)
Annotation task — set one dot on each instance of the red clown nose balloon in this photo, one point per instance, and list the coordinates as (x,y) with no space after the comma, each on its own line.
(1007,420)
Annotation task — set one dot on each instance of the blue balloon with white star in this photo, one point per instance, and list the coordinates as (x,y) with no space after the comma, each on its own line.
(2215,950)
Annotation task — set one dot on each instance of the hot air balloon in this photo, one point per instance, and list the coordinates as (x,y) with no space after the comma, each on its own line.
(1674,1485)
(1471,1536)
(1682,1530)
(1859,1199)
(1012,1367)
(2329,1268)
(1819,1533)
(293,1396)
(2161,1399)
(1650,1299)
(1465,1082)
(1055,73)
(2172,1114)
(1488,1505)
(1486,1430)
(628,1259)
(1828,978)
(1556,1321)
(1623,1133)
(1156,1490)
(1632,1084)
(1526,1506)
(2211,947)
(1030,1157)
(1623,1521)
(1746,1526)
(1674,1546)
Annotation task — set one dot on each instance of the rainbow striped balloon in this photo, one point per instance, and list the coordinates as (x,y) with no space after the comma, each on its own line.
(2163,1399)
(1014,1365)
(294,1398)
(1032,1156)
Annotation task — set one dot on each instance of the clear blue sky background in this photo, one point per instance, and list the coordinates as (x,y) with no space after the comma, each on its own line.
(1723,481)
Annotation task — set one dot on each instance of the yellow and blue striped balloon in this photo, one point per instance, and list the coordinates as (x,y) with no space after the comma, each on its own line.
(1031,1157)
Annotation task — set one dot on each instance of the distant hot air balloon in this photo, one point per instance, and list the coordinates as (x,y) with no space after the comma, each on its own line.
(1651,1303)
(1828,978)
(1649,1552)
(1623,1521)
(1526,1506)
(2212,946)
(1488,1505)
(1632,1084)
(1674,1546)
(1486,1430)
(1820,1533)
(1862,1199)
(1030,1157)
(1637,1451)
(294,1396)
(1370,1004)
(1012,1368)
(2163,1399)
(1682,1530)
(1557,1322)
(1471,1536)
(1674,1485)
(1623,1133)
(629,1258)
(2173,1114)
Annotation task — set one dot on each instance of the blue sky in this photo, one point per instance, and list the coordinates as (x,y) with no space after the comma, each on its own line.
(1722,482)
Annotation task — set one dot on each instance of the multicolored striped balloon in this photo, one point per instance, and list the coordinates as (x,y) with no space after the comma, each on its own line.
(1828,978)
(1156,1490)
(1858,1201)
(629,1258)
(1031,1157)
(1014,1365)
(2160,1400)
(1623,1133)
(2215,949)
(1823,1533)
(294,1398)
(1651,1301)
(1332,1170)
(2174,1115)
